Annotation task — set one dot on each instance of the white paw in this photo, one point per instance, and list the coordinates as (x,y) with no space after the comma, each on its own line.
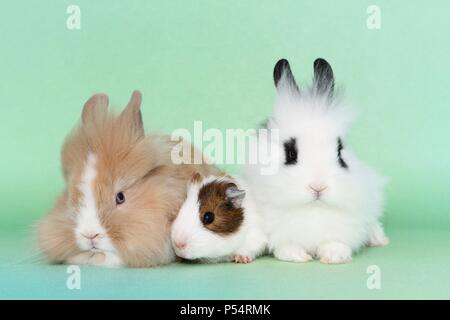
(87,258)
(242,259)
(378,238)
(292,253)
(101,259)
(334,252)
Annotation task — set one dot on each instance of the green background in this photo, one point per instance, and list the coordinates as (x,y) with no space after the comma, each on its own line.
(212,61)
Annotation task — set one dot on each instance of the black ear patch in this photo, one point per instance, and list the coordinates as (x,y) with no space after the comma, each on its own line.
(281,68)
(323,78)
(341,161)
(290,151)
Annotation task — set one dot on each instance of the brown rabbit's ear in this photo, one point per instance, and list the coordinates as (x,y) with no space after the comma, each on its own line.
(95,107)
(131,115)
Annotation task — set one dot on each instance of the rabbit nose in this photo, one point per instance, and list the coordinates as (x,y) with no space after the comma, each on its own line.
(318,189)
(180,244)
(90,235)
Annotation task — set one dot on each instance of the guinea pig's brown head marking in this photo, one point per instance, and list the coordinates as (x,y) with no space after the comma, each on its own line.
(220,205)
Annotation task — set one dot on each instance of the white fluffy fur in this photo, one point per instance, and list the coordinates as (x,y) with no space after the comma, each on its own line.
(347,216)
(100,250)
(201,243)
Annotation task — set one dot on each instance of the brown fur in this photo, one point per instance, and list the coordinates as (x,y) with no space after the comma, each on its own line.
(127,161)
(212,198)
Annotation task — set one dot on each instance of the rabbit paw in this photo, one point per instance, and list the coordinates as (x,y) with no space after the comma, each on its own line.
(242,259)
(101,259)
(378,238)
(87,258)
(292,254)
(334,252)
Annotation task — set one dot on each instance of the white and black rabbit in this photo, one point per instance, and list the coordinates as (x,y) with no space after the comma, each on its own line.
(322,202)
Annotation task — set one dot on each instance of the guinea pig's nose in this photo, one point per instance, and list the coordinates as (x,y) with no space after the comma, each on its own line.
(180,244)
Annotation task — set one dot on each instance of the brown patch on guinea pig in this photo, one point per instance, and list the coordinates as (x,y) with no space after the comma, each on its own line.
(227,217)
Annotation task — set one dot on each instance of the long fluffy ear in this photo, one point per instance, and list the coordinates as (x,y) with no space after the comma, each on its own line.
(283,77)
(323,83)
(95,108)
(132,116)
(235,196)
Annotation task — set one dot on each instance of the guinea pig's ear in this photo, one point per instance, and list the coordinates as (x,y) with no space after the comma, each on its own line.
(95,108)
(132,115)
(196,178)
(323,83)
(283,78)
(235,196)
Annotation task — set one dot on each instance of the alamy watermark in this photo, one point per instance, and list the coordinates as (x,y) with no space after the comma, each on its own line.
(233,146)
(73,281)
(73,21)
(373,21)
(374,279)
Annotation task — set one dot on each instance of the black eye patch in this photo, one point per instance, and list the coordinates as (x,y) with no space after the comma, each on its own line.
(341,161)
(290,151)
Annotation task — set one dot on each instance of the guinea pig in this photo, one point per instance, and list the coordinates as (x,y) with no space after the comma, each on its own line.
(218,222)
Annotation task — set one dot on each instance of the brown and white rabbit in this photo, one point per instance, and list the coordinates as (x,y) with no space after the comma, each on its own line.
(122,192)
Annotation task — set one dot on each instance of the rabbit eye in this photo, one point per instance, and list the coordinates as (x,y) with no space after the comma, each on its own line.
(208,217)
(341,161)
(290,151)
(120,198)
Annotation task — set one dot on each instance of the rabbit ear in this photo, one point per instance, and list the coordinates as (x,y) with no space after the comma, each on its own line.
(95,108)
(323,83)
(132,115)
(235,196)
(283,77)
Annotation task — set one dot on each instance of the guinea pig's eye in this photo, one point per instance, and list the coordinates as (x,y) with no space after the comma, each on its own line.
(208,217)
(120,198)
(290,151)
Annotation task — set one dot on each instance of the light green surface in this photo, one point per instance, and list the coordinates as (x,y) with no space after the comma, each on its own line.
(414,266)
(212,61)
